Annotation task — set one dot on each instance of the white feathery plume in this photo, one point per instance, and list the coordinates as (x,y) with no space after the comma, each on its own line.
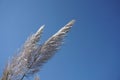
(18,66)
(32,55)
(51,46)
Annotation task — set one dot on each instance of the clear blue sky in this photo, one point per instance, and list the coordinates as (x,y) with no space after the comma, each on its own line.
(92,47)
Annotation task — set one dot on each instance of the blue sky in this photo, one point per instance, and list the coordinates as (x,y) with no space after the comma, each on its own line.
(92,47)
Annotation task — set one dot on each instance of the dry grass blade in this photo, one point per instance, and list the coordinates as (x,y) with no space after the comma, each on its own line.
(36,77)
